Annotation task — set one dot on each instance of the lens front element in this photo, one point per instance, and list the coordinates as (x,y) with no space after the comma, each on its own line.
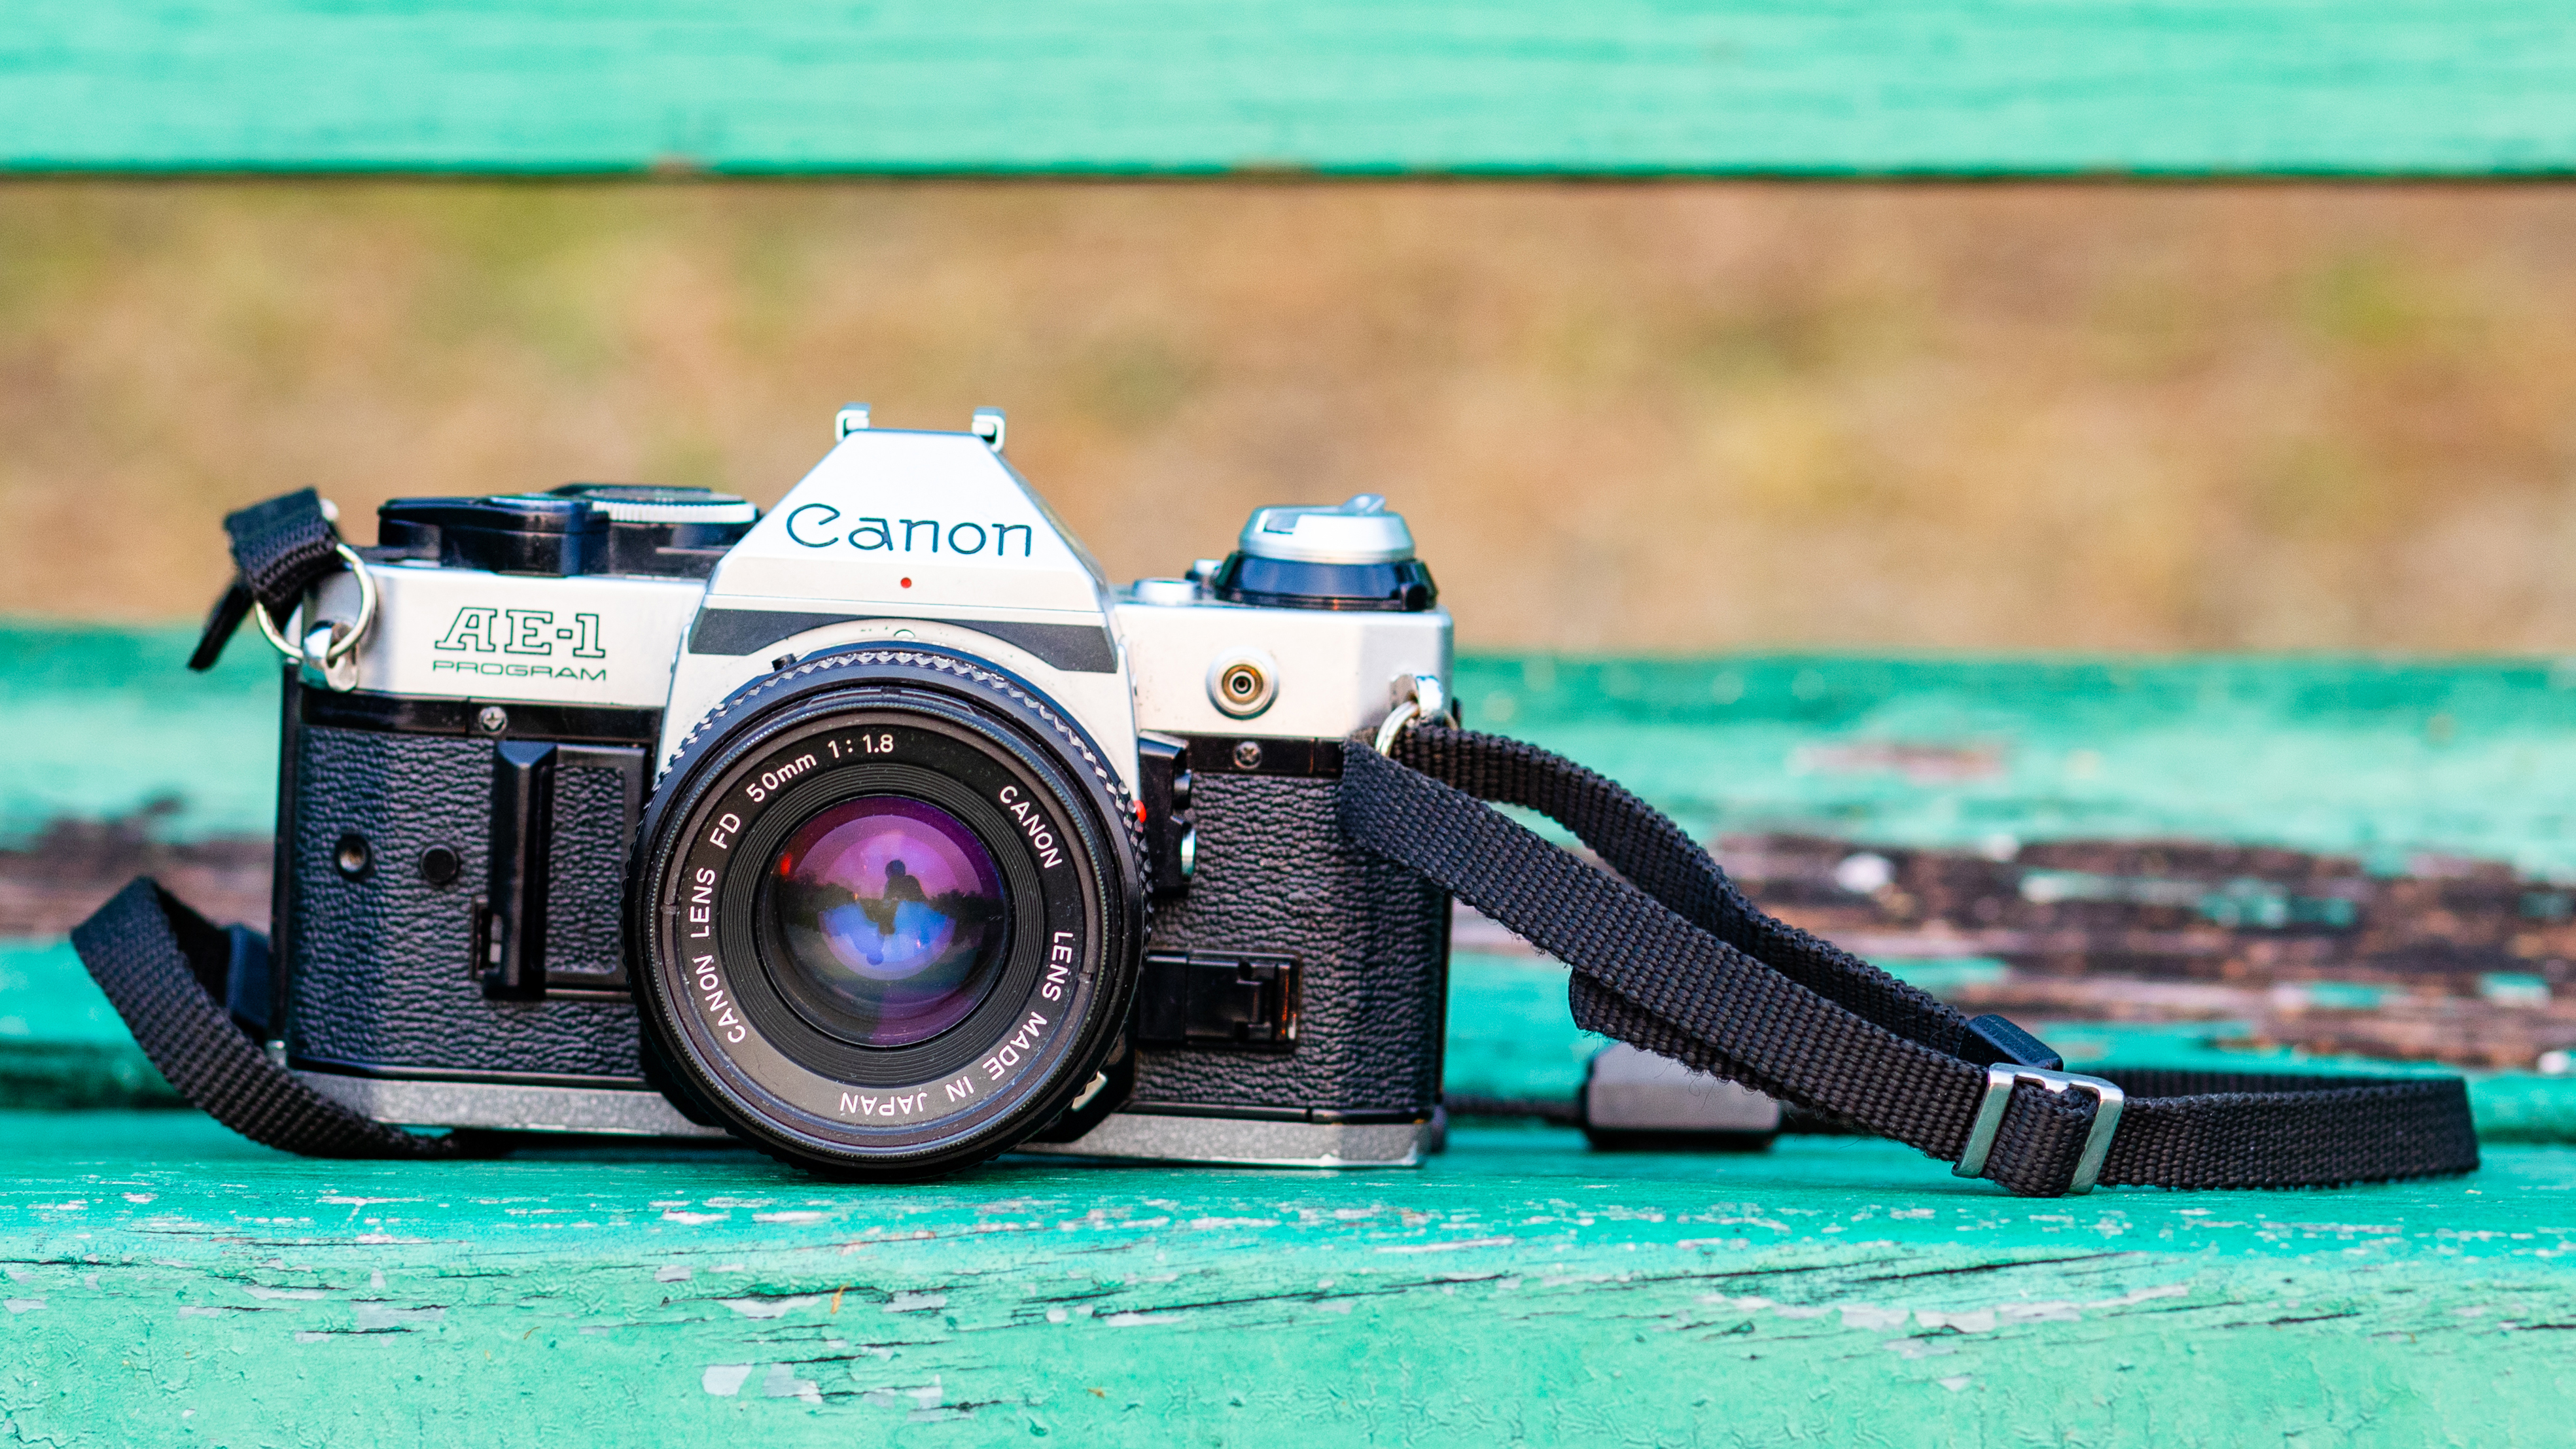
(889,915)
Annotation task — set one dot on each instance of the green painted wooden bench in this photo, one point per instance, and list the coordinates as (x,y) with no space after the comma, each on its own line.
(171,1279)
(166,1282)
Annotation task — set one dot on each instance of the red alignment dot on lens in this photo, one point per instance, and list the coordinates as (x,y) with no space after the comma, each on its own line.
(907,583)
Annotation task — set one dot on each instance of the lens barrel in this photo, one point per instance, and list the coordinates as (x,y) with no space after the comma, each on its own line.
(885,912)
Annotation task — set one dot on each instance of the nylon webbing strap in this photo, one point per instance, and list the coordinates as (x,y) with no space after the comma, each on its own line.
(280,548)
(1674,959)
(153,957)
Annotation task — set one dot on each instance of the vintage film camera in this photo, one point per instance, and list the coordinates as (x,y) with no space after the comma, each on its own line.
(877,831)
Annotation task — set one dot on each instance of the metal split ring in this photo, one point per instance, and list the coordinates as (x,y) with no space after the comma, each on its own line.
(342,645)
(1427,701)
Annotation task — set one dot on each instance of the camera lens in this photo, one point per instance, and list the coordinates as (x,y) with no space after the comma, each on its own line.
(887,912)
(889,916)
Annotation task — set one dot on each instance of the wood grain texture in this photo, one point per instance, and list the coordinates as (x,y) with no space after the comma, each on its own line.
(168,1283)
(1153,87)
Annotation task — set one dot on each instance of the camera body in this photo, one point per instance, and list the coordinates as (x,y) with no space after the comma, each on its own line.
(877,830)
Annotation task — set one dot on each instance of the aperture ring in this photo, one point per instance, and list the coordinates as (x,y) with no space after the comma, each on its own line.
(755,697)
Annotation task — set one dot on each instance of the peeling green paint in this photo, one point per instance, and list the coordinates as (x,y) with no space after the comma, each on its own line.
(2330,753)
(2314,752)
(167,1282)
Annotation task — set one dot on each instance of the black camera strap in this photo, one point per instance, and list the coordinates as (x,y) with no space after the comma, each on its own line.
(280,549)
(164,967)
(1672,958)
(1675,960)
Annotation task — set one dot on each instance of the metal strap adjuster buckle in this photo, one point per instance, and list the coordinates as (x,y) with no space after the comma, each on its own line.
(2000,1080)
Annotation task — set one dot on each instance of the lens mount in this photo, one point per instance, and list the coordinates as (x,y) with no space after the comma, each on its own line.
(885,912)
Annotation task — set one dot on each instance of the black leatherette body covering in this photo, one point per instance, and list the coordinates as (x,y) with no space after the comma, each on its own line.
(382,976)
(1275,875)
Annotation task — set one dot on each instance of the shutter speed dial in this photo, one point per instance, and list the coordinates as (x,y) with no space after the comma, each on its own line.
(1352,555)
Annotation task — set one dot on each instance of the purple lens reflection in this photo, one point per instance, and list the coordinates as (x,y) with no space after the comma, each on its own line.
(891,913)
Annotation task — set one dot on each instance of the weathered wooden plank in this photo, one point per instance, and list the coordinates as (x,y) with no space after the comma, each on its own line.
(172,1282)
(168,1279)
(1510,1036)
(2432,782)
(1150,87)
(61,1043)
(2378,758)
(2385,759)
(104,722)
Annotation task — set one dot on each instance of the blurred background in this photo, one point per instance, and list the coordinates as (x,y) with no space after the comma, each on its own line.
(2056,591)
(1628,418)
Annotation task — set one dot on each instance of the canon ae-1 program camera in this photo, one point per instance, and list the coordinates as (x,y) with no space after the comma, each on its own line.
(876,830)
(946,850)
